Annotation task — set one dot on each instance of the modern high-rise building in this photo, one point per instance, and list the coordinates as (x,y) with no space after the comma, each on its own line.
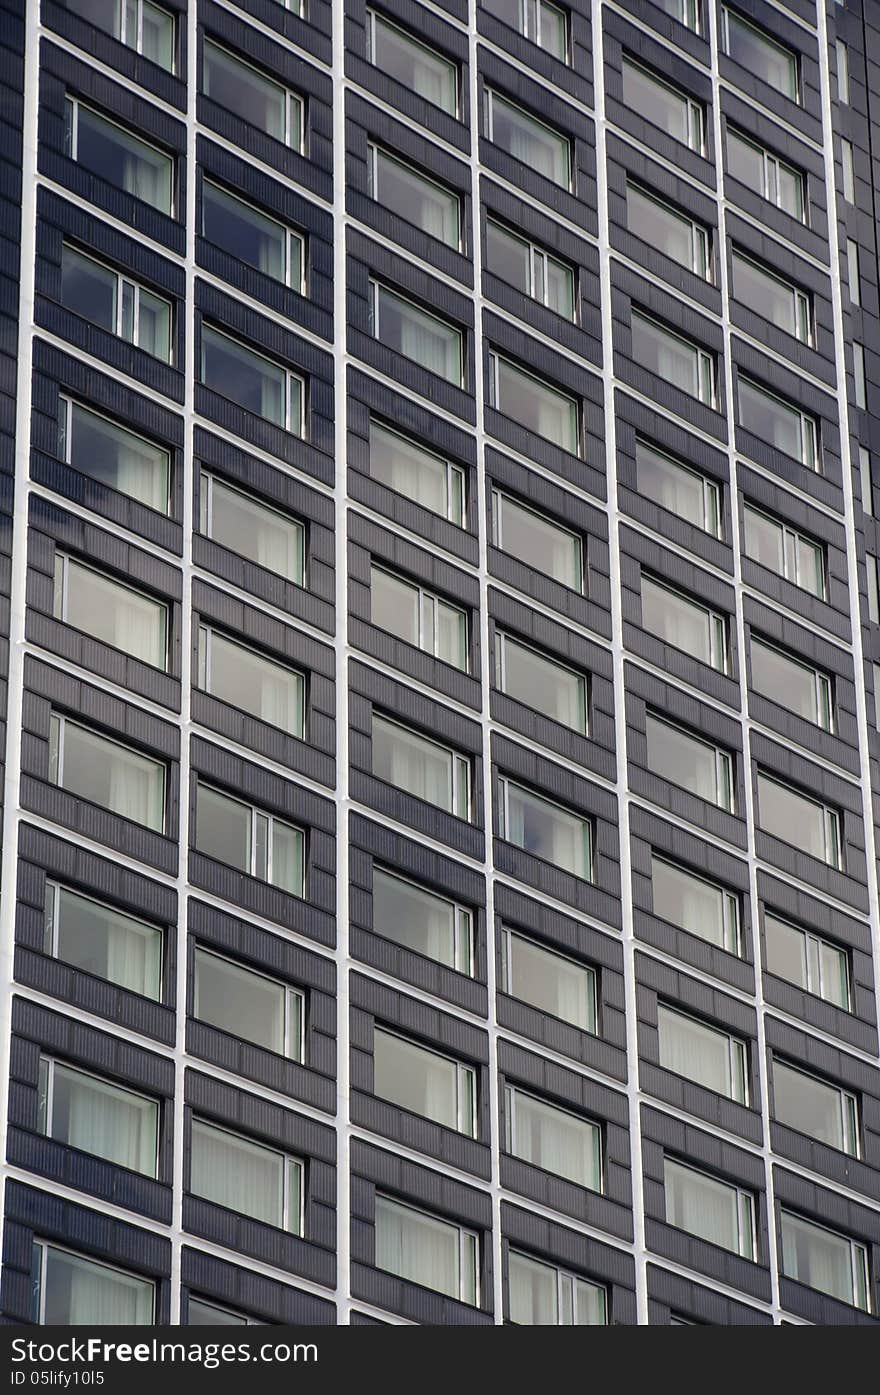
(442,685)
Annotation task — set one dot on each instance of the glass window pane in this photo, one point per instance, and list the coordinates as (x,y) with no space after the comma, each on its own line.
(154,325)
(245,233)
(670,358)
(535,405)
(112,613)
(684,760)
(252,529)
(509,257)
(395,605)
(157,35)
(545,830)
(419,1080)
(253,683)
(103,1119)
(528,140)
(812,1107)
(661,105)
(789,815)
(821,1259)
(417,919)
(223,828)
(535,541)
(704,1206)
(241,1002)
(424,1250)
(201,1314)
(287,870)
(700,1053)
(553,1139)
(113,776)
(695,905)
(132,165)
(680,622)
(834,975)
(421,201)
(244,92)
(772,421)
(117,458)
(242,1176)
(414,764)
(418,68)
(243,376)
(411,470)
(792,685)
(80,1292)
(534,1297)
(786,951)
(88,289)
(676,488)
(745,162)
(760,55)
(103,941)
(764,540)
(550,982)
(665,230)
(417,335)
(766,295)
(539,683)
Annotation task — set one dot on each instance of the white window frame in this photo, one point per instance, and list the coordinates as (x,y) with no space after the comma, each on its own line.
(428,601)
(206,517)
(45,1245)
(717,626)
(701,242)
(291,237)
(822,684)
(492,95)
(724,768)
(46,1099)
(504,782)
(737,1055)
(790,540)
(712,499)
(58,723)
(772,164)
(858,1256)
(296,428)
(51,927)
(65,420)
(508,934)
(377,290)
(293,101)
(830,818)
(566,1289)
(61,592)
(465,1084)
(294,1042)
(463,933)
(687,12)
(374,150)
(501,642)
(745,1209)
(434,53)
(498,531)
(813,960)
(696,114)
(466,1237)
(802,302)
(291,1164)
(460,769)
(206,634)
(261,834)
(539,260)
(75,106)
(456,516)
(849,1116)
(767,39)
(704,362)
(730,912)
(511,1093)
(127,288)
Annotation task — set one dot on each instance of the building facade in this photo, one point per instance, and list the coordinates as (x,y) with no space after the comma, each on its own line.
(436,451)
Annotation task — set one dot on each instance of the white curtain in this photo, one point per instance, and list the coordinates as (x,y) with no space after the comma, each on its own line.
(555,1141)
(817,1258)
(83,1294)
(691,1050)
(237,1174)
(702,1206)
(533,1292)
(417,1248)
(135,787)
(412,764)
(287,858)
(133,959)
(101,1121)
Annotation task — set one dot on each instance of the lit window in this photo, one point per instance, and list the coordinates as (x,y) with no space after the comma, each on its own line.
(677,361)
(528,140)
(854,279)
(544,829)
(806,960)
(684,760)
(248,680)
(426,1250)
(139,24)
(537,20)
(782,550)
(106,773)
(665,229)
(252,237)
(709,1208)
(530,269)
(871,569)
(112,613)
(540,683)
(678,488)
(824,1260)
(247,1177)
(551,550)
(102,941)
(422,921)
(424,1082)
(421,767)
(703,1054)
(553,1139)
(112,302)
(410,469)
(679,115)
(842,53)
(763,172)
(418,617)
(773,298)
(248,1005)
(251,96)
(252,381)
(698,906)
(113,154)
(865,476)
(200,1313)
(113,456)
(847,161)
(400,189)
(684,624)
(761,56)
(70,1290)
(409,330)
(787,814)
(533,404)
(420,69)
(252,529)
(88,1113)
(860,393)
(549,981)
(257,844)
(543,1296)
(797,687)
(815,1108)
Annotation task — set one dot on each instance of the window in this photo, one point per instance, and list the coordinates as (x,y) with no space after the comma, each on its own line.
(537,20)
(842,53)
(422,921)
(421,767)
(90,1114)
(113,154)
(665,229)
(767,175)
(411,331)
(113,456)
(687,12)
(247,1177)
(551,982)
(678,488)
(252,237)
(533,404)
(540,683)
(252,529)
(545,546)
(418,617)
(703,1054)
(791,816)
(139,24)
(804,959)
(847,161)
(684,624)
(413,196)
(70,1290)
(865,476)
(860,389)
(412,470)
(530,269)
(709,1208)
(779,548)
(247,680)
(251,381)
(824,1260)
(694,904)
(684,760)
(815,1108)
(200,1313)
(761,56)
(797,687)
(672,110)
(553,1139)
(248,1005)
(420,69)
(543,1296)
(425,1250)
(525,138)
(544,829)
(258,844)
(110,612)
(875,675)
(772,297)
(854,278)
(679,363)
(112,302)
(424,1082)
(873,580)
(251,96)
(102,941)
(104,772)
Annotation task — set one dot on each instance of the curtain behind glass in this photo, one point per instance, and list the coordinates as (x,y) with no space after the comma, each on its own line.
(95,1117)
(417,1247)
(80,1293)
(237,1174)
